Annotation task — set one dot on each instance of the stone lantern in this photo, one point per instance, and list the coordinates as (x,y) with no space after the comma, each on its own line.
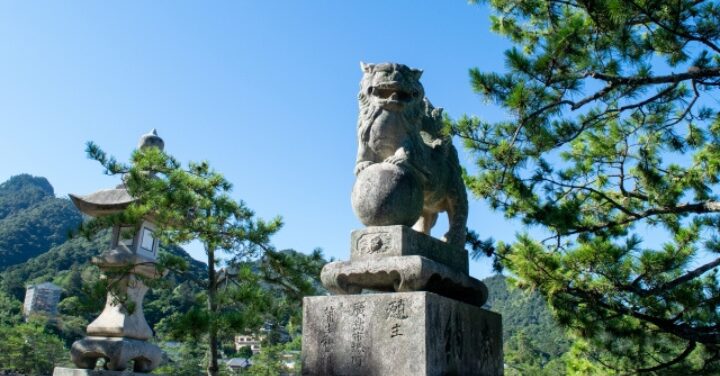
(120,333)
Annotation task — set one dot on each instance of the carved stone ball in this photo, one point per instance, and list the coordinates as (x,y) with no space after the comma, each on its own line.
(385,194)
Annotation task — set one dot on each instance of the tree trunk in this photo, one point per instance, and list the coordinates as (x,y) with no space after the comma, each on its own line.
(212,369)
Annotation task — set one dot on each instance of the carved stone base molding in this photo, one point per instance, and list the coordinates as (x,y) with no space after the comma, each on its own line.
(377,242)
(402,274)
(117,352)
(416,333)
(400,259)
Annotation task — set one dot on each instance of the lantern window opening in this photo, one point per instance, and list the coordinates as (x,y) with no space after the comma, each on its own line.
(126,236)
(148,240)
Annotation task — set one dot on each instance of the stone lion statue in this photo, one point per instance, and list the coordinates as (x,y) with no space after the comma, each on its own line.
(398,125)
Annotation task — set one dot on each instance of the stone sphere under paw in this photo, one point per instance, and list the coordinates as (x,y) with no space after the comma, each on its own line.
(385,194)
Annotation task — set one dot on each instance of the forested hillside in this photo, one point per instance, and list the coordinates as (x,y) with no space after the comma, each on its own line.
(32,219)
(533,342)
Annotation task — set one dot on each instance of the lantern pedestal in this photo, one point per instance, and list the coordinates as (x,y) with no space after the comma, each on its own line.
(118,335)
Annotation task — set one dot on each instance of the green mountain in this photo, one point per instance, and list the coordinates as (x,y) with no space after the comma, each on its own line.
(32,219)
(533,342)
(22,191)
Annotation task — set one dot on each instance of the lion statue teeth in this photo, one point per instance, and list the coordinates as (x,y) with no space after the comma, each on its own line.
(399,126)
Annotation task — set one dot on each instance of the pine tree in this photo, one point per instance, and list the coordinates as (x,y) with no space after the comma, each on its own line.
(613,130)
(30,348)
(193,203)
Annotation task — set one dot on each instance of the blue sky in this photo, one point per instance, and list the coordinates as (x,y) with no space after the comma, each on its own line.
(264,91)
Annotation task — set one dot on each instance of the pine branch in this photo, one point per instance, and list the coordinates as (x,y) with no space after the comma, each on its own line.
(675,31)
(680,280)
(697,208)
(700,334)
(688,350)
(691,74)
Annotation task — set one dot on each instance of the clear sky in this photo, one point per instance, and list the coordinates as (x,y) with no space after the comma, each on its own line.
(263,90)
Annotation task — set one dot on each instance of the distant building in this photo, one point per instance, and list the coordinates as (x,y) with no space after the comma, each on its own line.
(239,364)
(42,298)
(247,340)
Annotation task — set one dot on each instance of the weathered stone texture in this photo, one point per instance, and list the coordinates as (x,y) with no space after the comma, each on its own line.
(416,333)
(385,241)
(402,274)
(116,321)
(401,134)
(400,259)
(117,352)
(385,194)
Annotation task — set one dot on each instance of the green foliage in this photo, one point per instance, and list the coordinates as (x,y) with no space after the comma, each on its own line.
(244,352)
(257,295)
(228,349)
(290,276)
(53,265)
(612,132)
(185,359)
(194,203)
(533,342)
(278,359)
(32,220)
(30,349)
(187,203)
(10,310)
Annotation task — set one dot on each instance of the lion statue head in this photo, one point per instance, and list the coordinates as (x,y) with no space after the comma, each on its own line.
(391,87)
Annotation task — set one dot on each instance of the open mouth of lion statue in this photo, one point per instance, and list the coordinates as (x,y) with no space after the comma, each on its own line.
(392,94)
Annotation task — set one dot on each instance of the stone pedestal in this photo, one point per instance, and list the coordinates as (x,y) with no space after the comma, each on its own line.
(119,335)
(115,320)
(413,333)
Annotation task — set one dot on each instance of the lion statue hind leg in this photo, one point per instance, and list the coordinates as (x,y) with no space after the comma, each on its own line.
(457,210)
(426,222)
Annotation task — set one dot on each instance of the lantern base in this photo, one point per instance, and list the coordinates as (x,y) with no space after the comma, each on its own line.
(117,352)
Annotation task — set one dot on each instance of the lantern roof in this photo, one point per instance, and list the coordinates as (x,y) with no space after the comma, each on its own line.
(109,201)
(103,202)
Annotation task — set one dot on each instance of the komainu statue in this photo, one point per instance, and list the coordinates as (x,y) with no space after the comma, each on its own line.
(405,302)
(415,169)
